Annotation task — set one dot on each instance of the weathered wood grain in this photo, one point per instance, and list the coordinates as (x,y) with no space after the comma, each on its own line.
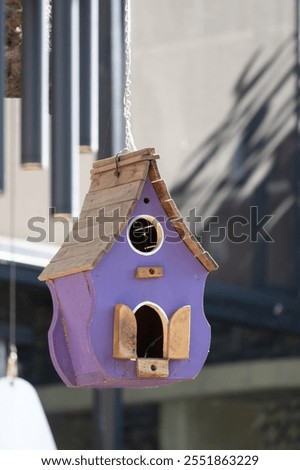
(149,272)
(125,159)
(112,178)
(110,196)
(161,190)
(125,333)
(152,367)
(66,267)
(154,173)
(179,334)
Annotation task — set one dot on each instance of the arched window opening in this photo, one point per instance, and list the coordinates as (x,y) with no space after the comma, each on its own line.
(150,335)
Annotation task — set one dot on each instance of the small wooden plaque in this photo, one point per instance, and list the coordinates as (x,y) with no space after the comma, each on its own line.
(151,367)
(148,272)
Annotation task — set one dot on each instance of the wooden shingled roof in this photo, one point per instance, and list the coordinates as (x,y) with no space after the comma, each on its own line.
(116,186)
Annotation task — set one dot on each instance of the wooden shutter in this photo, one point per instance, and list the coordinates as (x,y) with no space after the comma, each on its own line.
(179,334)
(125,330)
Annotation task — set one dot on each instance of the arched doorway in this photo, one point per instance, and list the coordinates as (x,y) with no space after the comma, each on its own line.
(151,331)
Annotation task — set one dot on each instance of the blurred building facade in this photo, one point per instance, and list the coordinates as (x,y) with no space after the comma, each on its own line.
(215,90)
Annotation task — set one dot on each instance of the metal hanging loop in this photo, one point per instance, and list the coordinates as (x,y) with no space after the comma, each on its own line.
(117,159)
(129,142)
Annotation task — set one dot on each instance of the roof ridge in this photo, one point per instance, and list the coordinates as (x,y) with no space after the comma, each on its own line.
(125,158)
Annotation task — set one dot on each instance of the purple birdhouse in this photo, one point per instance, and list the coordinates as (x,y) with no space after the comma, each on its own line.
(128,283)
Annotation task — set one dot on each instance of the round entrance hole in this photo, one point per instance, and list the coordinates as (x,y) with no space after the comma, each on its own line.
(145,235)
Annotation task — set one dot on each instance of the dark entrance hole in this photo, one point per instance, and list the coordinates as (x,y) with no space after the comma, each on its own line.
(143,235)
(149,332)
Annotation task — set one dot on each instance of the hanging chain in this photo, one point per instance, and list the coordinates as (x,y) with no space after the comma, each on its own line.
(129,142)
(12,361)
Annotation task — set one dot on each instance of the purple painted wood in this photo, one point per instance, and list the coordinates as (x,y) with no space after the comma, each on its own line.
(87,301)
(58,347)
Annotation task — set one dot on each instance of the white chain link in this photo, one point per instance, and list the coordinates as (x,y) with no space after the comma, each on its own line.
(129,142)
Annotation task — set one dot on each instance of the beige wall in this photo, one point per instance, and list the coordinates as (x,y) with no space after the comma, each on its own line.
(187,58)
(27,195)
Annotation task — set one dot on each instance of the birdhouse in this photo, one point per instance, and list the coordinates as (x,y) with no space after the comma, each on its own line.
(128,283)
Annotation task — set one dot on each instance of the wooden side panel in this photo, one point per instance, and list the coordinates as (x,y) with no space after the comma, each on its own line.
(161,190)
(154,171)
(179,334)
(208,262)
(152,368)
(125,333)
(180,227)
(171,208)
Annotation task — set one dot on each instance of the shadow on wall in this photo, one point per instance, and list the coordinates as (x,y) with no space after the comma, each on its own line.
(249,160)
